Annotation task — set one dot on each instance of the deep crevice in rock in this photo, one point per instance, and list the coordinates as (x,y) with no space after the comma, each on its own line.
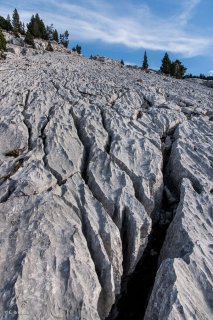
(85,161)
(96,256)
(26,121)
(10,190)
(45,160)
(147,104)
(12,186)
(136,288)
(135,179)
(109,142)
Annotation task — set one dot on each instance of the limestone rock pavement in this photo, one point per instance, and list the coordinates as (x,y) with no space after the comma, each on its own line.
(89,152)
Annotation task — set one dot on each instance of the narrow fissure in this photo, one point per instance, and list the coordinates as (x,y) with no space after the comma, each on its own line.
(109,141)
(45,160)
(10,190)
(96,256)
(147,104)
(124,241)
(136,288)
(85,161)
(121,165)
(27,122)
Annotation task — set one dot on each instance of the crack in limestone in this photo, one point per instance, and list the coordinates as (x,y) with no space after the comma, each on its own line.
(86,93)
(10,304)
(45,157)
(109,140)
(85,160)
(120,95)
(27,122)
(143,132)
(136,181)
(96,256)
(12,184)
(56,86)
(137,288)
(147,103)
(7,195)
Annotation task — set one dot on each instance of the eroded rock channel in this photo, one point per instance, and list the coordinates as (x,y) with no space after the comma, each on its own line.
(137,287)
(106,191)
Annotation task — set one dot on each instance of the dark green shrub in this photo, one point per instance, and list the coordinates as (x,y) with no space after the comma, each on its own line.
(29,39)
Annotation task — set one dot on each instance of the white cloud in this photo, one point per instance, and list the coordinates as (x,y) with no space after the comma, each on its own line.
(92,20)
(187,10)
(210,72)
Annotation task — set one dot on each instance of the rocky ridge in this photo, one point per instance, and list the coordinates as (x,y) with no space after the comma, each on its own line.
(95,159)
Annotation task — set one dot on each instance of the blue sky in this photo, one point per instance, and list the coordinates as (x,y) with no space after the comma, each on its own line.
(124,29)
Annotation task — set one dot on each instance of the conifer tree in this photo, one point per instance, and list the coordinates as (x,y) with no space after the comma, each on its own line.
(2,41)
(55,36)
(29,39)
(5,24)
(145,62)
(22,31)
(166,64)
(37,28)
(50,32)
(2,45)
(64,39)
(177,69)
(16,22)
(122,62)
(9,25)
(78,49)
(8,18)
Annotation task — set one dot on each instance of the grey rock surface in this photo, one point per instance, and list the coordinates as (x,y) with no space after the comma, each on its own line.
(88,151)
(183,285)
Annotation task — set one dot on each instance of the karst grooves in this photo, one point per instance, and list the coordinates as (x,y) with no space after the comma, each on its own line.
(105,187)
(137,288)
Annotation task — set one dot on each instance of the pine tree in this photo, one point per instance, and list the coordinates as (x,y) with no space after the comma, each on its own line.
(78,49)
(50,32)
(55,36)
(177,69)
(2,41)
(29,39)
(166,64)
(42,29)
(22,31)
(2,45)
(5,24)
(9,25)
(145,62)
(64,39)
(16,22)
(122,62)
(37,28)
